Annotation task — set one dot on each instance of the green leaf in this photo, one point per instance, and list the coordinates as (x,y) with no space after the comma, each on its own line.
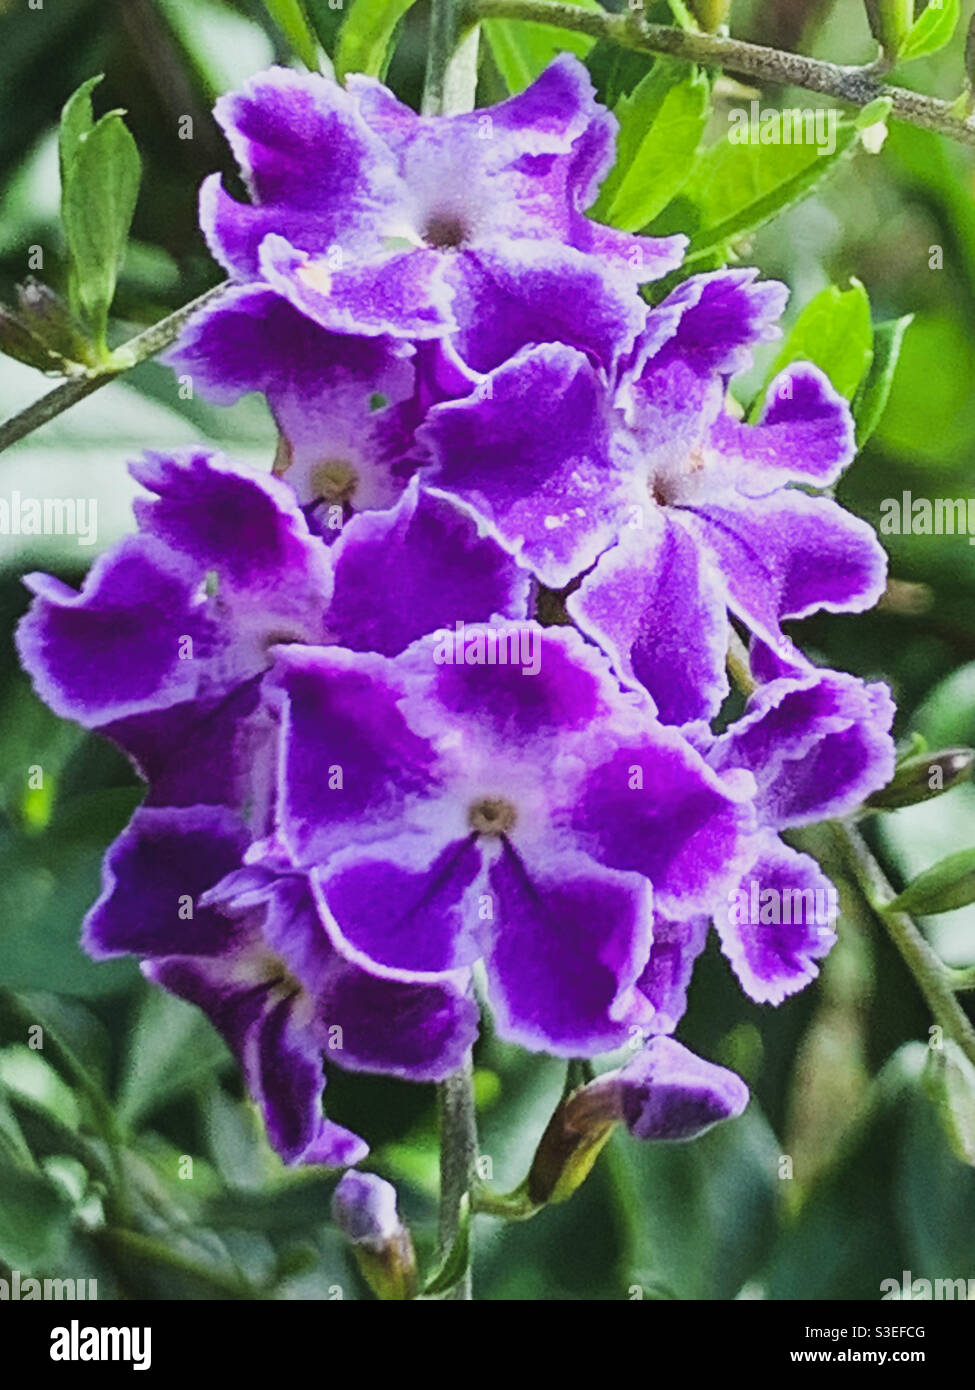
(289,15)
(737,187)
(950,1082)
(172,1048)
(366,35)
(35,1219)
(661,124)
(458,1256)
(947,885)
(77,120)
(523,51)
(833,331)
(871,398)
(98,196)
(932,30)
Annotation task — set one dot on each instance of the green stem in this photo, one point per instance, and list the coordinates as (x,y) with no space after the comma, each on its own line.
(855,86)
(451,75)
(933,977)
(458,1158)
(138,349)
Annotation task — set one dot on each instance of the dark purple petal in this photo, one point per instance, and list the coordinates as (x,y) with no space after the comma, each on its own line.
(443,573)
(315,171)
(349,765)
(658,609)
(130,641)
(655,807)
(513,294)
(805,434)
(570,941)
(153,877)
(713,322)
(407,910)
(669,1093)
(778,923)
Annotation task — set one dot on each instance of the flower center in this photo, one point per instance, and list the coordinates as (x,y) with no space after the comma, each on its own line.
(492,816)
(334,481)
(445,232)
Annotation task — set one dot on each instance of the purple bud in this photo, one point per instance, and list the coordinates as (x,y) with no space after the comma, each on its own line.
(669,1093)
(364,1209)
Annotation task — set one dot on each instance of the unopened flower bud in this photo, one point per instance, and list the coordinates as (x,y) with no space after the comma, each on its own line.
(947,885)
(670,1093)
(710,14)
(364,1209)
(923,777)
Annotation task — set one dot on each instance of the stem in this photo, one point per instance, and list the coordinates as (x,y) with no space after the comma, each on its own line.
(458,1156)
(933,977)
(451,76)
(856,86)
(138,349)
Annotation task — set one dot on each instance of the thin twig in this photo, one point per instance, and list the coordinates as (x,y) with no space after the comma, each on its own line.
(855,86)
(138,349)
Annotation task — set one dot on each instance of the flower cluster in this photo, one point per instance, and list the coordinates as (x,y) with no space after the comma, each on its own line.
(440,691)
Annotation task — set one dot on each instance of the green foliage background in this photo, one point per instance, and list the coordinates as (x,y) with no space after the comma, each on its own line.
(95,1127)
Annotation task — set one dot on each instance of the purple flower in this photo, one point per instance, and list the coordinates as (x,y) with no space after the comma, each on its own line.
(496,797)
(673,510)
(245,944)
(166,644)
(372,220)
(364,1209)
(817,744)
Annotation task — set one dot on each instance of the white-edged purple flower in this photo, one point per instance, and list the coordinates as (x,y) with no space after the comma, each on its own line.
(245,943)
(374,221)
(164,647)
(672,510)
(454,804)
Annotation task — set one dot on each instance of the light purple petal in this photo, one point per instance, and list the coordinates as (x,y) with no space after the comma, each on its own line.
(676,947)
(790,554)
(659,611)
(530,457)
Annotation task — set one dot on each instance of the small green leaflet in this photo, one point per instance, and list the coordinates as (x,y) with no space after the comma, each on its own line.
(871,398)
(833,331)
(100,173)
(661,125)
(365,36)
(522,51)
(932,30)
